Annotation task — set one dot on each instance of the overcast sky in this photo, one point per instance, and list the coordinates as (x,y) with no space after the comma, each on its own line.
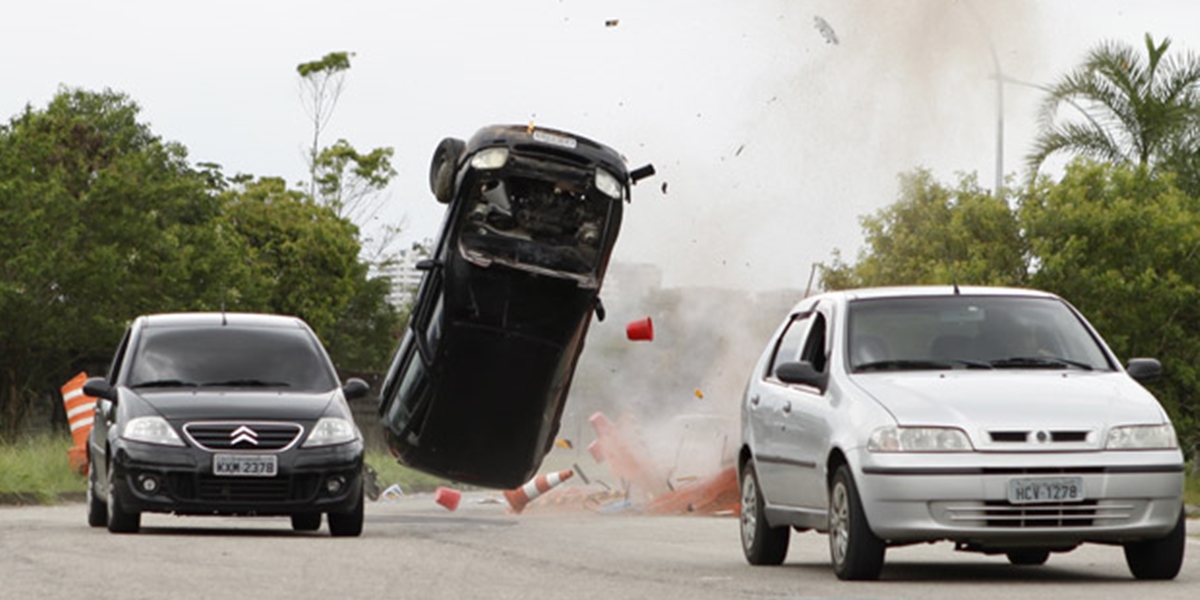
(772,140)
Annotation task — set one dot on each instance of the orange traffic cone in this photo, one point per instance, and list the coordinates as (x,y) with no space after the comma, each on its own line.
(79,414)
(520,497)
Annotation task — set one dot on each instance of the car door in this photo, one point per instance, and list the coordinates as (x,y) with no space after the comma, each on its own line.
(769,398)
(807,416)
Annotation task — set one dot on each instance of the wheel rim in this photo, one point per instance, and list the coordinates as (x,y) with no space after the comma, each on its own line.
(839,523)
(749,506)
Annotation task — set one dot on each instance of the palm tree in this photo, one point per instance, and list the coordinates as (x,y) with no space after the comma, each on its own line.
(1134,109)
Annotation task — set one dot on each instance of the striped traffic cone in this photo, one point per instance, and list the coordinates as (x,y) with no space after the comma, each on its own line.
(79,415)
(522,496)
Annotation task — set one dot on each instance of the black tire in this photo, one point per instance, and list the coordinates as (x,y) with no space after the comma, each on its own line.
(1161,558)
(347,524)
(120,520)
(761,543)
(97,509)
(856,552)
(1028,557)
(443,167)
(306,521)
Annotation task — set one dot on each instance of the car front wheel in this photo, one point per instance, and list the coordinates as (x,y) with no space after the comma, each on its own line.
(306,521)
(761,543)
(119,520)
(97,510)
(1161,558)
(347,524)
(856,552)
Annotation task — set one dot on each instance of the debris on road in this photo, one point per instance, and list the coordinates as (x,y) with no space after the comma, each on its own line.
(520,497)
(640,330)
(447,497)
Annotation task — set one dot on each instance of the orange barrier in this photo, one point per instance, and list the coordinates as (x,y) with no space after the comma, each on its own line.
(711,495)
(520,497)
(628,457)
(79,408)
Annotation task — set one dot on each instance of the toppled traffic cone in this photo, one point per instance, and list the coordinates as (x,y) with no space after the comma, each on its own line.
(717,494)
(640,330)
(522,496)
(447,497)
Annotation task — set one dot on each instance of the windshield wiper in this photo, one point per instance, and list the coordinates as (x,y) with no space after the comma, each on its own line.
(903,365)
(1039,362)
(246,383)
(164,383)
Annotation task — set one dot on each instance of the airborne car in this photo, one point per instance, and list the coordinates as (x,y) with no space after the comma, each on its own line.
(477,387)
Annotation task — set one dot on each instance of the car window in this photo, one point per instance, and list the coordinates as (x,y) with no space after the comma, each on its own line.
(788,348)
(267,357)
(970,332)
(814,351)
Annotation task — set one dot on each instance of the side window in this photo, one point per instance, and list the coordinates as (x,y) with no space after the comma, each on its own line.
(788,349)
(114,369)
(814,346)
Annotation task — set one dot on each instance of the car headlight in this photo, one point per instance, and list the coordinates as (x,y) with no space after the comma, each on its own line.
(1141,437)
(490,158)
(151,430)
(919,439)
(331,430)
(607,182)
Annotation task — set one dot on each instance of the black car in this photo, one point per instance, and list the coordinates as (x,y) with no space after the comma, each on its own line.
(224,414)
(477,387)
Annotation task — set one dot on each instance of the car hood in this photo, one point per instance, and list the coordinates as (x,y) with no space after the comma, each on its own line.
(1013,400)
(210,405)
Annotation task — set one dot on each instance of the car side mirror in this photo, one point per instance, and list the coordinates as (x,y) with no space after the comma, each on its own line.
(355,388)
(1144,370)
(802,373)
(98,387)
(427,264)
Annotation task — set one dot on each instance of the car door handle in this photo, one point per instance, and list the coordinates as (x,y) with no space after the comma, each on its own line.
(787,407)
(754,400)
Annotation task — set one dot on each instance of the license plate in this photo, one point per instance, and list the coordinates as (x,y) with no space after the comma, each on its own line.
(1045,490)
(245,465)
(557,140)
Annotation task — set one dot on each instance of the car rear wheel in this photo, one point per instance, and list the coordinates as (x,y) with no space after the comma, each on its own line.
(347,524)
(856,552)
(1161,558)
(1028,557)
(306,521)
(120,520)
(97,510)
(761,543)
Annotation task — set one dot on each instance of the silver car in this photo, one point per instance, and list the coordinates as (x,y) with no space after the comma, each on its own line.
(993,418)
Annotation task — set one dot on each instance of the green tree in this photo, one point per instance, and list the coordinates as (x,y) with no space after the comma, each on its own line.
(1135,109)
(1122,245)
(321,85)
(935,234)
(103,220)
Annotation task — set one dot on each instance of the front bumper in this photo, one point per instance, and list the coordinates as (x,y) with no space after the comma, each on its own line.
(184,482)
(1128,496)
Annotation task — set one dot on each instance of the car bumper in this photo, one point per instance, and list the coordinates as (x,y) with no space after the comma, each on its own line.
(1127,496)
(308,480)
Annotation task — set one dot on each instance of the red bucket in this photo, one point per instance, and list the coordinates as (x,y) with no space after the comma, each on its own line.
(447,497)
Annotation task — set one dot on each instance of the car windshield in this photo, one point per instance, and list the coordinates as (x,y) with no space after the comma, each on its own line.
(969,332)
(254,357)
(551,225)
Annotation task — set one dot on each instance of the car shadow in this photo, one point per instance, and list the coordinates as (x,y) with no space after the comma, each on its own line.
(922,572)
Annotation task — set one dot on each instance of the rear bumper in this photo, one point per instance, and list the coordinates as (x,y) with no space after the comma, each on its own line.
(308,480)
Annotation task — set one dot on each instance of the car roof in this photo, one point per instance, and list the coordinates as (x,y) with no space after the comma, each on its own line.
(217,319)
(917,291)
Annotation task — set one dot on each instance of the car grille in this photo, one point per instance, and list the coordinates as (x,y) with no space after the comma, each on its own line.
(1042,437)
(1004,515)
(207,488)
(239,435)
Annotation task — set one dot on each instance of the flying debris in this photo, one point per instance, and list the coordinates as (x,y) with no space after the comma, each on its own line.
(826,30)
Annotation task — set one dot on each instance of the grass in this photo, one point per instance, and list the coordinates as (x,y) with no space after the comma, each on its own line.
(34,470)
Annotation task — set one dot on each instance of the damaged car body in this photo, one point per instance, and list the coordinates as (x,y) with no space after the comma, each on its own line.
(477,386)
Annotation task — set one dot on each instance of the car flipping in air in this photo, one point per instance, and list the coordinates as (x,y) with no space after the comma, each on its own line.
(476,389)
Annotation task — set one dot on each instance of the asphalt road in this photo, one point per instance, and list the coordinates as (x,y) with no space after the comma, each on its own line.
(414,548)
